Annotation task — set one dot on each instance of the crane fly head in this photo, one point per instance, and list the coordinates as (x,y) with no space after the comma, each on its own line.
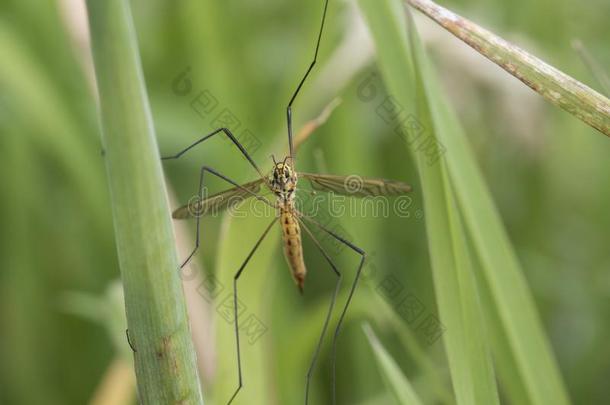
(283,179)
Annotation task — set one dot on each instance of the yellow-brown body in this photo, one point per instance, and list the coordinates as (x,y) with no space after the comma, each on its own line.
(283,182)
(293,250)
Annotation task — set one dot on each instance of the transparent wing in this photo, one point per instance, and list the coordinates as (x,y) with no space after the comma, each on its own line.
(356,186)
(217,202)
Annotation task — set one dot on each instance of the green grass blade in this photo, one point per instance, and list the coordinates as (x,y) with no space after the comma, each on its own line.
(398,384)
(513,305)
(477,353)
(459,307)
(501,270)
(560,89)
(156,313)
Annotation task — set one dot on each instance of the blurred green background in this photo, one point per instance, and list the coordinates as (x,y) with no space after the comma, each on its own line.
(60,319)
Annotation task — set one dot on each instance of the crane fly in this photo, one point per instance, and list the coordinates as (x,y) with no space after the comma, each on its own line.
(282,182)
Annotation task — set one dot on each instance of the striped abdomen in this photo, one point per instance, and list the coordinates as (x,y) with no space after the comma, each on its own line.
(291,235)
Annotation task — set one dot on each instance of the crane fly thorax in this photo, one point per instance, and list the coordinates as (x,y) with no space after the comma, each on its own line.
(283,181)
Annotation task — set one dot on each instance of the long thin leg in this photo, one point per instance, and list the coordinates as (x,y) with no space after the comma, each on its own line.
(235,309)
(362,254)
(298,89)
(330,309)
(228,133)
(200,194)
